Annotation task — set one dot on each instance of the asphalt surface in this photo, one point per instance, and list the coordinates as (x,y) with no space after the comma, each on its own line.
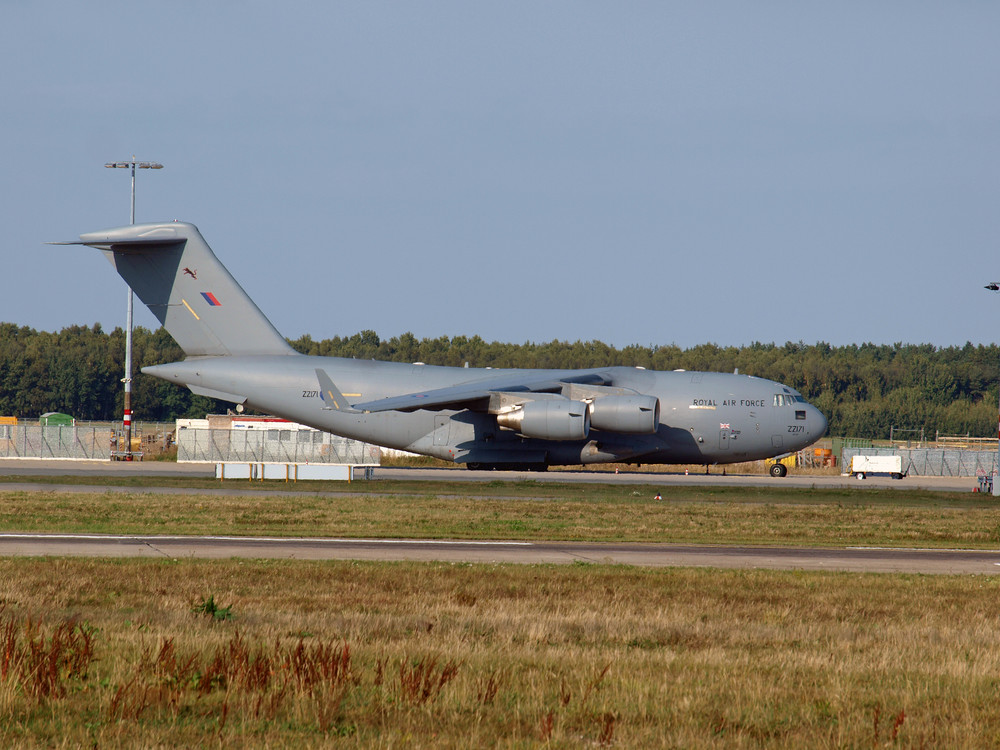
(674,478)
(855,559)
(55,468)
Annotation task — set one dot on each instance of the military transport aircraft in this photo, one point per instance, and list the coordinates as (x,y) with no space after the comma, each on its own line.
(483,418)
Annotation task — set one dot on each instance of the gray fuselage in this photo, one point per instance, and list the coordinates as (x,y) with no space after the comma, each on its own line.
(479,417)
(705,418)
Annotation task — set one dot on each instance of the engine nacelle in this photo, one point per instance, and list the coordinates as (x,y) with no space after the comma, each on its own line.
(551,419)
(634,415)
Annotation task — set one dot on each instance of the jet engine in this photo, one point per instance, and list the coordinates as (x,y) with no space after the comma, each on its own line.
(551,419)
(636,415)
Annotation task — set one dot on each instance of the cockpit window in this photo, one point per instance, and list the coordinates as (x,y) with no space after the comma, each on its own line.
(787,399)
(800,413)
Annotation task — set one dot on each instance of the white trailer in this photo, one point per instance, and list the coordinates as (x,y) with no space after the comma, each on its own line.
(862,466)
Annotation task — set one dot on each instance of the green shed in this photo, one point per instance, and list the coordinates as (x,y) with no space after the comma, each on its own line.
(56,419)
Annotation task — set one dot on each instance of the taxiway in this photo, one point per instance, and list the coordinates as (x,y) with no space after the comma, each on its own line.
(856,559)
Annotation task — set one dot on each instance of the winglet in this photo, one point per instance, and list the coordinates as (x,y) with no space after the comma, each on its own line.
(332,398)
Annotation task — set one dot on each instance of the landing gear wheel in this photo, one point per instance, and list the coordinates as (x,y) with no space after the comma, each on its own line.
(778,470)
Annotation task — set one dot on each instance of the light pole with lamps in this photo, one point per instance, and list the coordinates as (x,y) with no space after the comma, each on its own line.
(994,286)
(127,380)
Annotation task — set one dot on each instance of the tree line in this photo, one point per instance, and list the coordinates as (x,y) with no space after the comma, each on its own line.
(864,389)
(79,371)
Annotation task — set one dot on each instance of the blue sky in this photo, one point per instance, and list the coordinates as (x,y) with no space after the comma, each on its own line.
(648,173)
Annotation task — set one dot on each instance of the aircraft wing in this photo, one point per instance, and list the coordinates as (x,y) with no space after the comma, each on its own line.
(466,395)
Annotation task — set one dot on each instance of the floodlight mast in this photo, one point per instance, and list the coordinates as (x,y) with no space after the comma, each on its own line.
(127,380)
(994,286)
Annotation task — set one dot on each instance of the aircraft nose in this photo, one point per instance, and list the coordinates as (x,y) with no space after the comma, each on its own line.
(817,423)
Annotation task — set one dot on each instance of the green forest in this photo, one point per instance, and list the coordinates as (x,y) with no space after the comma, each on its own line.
(864,389)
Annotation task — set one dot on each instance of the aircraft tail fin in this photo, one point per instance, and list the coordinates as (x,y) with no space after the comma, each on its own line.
(177,276)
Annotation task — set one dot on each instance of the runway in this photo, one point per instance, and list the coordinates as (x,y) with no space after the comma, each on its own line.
(853,559)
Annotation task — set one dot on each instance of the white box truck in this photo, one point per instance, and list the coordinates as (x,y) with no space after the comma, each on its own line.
(892,466)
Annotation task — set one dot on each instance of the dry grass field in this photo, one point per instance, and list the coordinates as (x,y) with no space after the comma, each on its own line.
(125,653)
(181,653)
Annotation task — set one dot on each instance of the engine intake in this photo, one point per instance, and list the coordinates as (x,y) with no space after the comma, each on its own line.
(634,415)
(549,419)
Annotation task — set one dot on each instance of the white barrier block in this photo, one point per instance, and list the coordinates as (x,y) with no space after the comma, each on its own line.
(283,472)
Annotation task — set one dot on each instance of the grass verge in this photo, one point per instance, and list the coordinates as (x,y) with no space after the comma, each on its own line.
(529,511)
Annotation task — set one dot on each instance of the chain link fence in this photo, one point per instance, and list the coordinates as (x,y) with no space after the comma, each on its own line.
(932,462)
(51,441)
(284,446)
